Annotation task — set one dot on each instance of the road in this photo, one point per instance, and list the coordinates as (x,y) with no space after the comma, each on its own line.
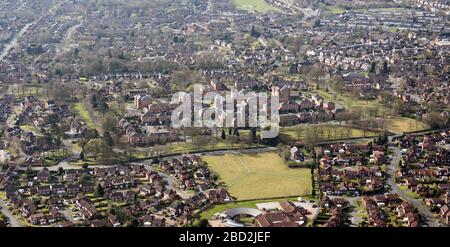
(424,211)
(13,221)
(171,181)
(14,42)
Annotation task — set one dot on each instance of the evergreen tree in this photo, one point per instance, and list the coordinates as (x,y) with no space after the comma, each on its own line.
(103,107)
(108,139)
(99,191)
(254,32)
(94,102)
(223,134)
(253,135)
(373,68)
(82,155)
(60,171)
(385,68)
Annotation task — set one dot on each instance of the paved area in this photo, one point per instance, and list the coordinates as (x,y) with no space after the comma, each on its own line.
(423,209)
(13,221)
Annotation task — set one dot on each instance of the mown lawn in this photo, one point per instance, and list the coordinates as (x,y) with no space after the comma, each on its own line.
(326,132)
(259,175)
(255,5)
(334,9)
(189,147)
(409,192)
(84,113)
(31,128)
(353,103)
(228,167)
(403,124)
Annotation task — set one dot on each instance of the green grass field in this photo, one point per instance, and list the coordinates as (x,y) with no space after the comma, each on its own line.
(353,103)
(254,5)
(409,192)
(81,109)
(257,176)
(335,10)
(31,128)
(189,147)
(326,132)
(403,124)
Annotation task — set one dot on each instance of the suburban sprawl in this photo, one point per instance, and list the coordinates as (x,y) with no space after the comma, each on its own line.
(89,91)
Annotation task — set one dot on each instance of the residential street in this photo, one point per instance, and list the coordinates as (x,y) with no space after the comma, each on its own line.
(355,218)
(12,219)
(423,210)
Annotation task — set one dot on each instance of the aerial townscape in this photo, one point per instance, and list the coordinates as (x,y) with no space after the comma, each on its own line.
(90,91)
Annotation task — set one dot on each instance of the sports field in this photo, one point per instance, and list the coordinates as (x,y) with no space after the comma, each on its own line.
(261,175)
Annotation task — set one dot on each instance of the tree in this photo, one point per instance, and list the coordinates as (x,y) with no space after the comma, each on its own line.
(99,191)
(84,178)
(60,171)
(29,171)
(385,68)
(103,107)
(200,223)
(373,68)
(94,102)
(109,122)
(108,139)
(252,135)
(60,93)
(254,32)
(435,120)
(82,155)
(85,166)
(223,135)
(232,140)
(316,23)
(96,148)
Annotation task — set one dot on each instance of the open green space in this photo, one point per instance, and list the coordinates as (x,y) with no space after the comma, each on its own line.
(84,113)
(403,124)
(325,132)
(190,147)
(255,5)
(410,193)
(333,9)
(259,175)
(353,103)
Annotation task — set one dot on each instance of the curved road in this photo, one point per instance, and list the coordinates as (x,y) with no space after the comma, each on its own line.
(424,211)
(13,221)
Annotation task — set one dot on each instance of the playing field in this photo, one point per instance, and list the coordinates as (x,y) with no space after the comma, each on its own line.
(262,175)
